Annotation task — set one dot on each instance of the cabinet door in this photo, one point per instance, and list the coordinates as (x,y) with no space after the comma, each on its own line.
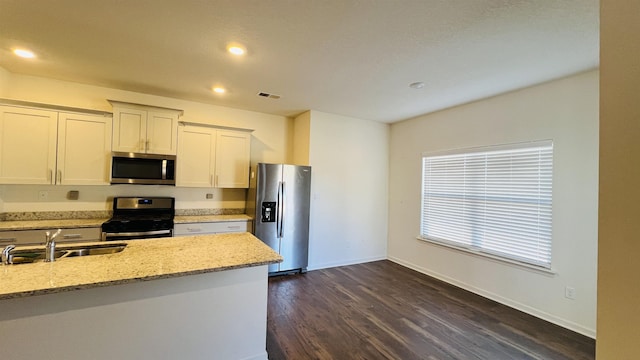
(34,237)
(84,149)
(232,159)
(196,156)
(162,128)
(129,130)
(211,228)
(27,145)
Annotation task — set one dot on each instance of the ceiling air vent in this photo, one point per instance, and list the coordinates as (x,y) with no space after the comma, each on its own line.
(270,96)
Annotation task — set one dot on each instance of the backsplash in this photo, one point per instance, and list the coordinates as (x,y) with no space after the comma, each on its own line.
(54,215)
(104,214)
(195,212)
(94,201)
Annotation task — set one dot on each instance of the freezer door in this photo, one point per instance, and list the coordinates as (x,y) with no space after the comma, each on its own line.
(296,189)
(266,223)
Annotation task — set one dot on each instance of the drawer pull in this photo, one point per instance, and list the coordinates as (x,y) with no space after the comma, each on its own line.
(233,227)
(7,240)
(72,236)
(194,229)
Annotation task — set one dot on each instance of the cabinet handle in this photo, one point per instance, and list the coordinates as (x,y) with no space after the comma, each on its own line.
(50,177)
(148,145)
(59,176)
(7,240)
(194,229)
(72,236)
(216,185)
(233,227)
(211,181)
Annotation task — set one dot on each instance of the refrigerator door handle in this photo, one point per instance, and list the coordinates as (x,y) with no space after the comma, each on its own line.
(279,211)
(283,208)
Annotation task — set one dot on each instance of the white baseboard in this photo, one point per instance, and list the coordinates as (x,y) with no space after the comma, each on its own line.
(345,262)
(261,356)
(502,300)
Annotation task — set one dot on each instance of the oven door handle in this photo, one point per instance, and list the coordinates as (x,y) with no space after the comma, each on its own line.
(139,233)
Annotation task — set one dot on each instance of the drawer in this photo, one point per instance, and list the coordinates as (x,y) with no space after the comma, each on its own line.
(211,228)
(23,237)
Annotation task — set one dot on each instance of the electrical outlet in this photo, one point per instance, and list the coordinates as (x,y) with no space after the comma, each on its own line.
(570,293)
(209,196)
(43,195)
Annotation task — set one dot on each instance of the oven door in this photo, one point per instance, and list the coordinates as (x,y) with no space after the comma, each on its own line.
(138,235)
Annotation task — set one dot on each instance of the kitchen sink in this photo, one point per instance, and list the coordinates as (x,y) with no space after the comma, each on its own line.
(27,256)
(96,250)
(31,256)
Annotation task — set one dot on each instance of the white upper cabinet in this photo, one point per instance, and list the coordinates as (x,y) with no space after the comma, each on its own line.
(144,129)
(84,149)
(27,145)
(233,153)
(162,132)
(31,140)
(196,156)
(129,130)
(213,157)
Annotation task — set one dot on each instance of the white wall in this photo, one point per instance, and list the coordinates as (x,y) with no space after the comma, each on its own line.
(4,89)
(619,225)
(565,111)
(301,134)
(269,143)
(4,82)
(349,186)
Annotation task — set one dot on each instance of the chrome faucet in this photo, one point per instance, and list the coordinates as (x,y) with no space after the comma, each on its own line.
(50,246)
(6,254)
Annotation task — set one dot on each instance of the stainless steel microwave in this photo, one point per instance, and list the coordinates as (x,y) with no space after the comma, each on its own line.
(143,169)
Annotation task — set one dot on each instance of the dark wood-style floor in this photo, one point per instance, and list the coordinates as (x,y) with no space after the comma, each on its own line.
(381,310)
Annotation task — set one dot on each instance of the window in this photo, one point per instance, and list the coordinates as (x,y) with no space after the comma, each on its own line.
(494,200)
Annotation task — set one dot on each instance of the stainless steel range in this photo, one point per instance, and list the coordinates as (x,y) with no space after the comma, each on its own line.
(140,218)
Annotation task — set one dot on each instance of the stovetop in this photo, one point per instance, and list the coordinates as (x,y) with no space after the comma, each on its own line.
(140,214)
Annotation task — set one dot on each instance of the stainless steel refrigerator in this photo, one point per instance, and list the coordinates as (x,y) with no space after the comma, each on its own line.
(279,198)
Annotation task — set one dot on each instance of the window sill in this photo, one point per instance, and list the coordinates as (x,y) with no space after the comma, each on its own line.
(494,258)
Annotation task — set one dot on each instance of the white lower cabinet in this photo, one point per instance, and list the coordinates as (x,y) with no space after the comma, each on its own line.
(35,237)
(211,228)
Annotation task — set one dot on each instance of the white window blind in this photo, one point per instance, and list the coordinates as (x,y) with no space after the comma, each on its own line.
(493,200)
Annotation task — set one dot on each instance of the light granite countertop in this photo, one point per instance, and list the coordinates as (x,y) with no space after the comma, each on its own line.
(141,260)
(87,223)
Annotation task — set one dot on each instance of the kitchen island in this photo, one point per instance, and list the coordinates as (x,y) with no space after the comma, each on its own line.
(193,297)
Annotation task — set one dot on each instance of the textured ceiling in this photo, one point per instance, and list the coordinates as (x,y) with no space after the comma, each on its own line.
(348,57)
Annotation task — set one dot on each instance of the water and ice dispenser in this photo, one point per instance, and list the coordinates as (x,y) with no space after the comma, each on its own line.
(268,211)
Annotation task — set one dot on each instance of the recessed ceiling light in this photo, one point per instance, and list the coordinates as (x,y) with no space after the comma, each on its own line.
(236,49)
(417,85)
(219,90)
(23,53)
